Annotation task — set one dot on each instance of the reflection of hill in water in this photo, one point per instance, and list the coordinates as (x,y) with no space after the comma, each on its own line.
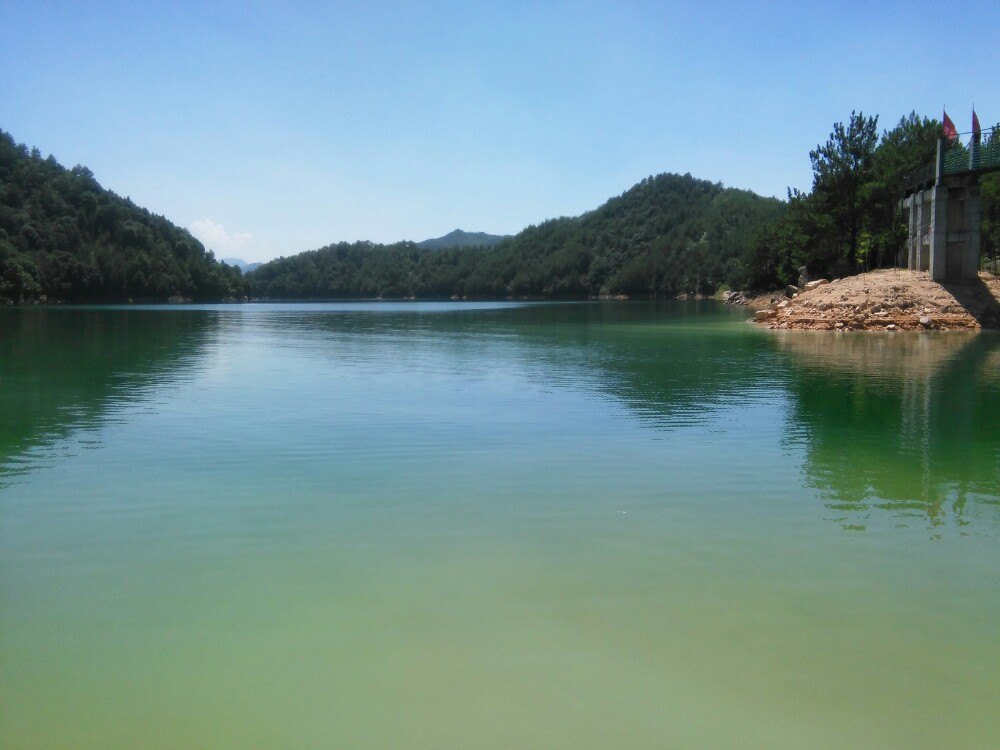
(903,423)
(991,367)
(65,369)
(671,363)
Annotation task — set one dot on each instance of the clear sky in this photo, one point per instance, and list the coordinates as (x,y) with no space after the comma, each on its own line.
(270,128)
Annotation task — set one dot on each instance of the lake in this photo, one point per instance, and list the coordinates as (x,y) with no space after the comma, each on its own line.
(497,525)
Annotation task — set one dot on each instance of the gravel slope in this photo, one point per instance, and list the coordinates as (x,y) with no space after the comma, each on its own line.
(889,299)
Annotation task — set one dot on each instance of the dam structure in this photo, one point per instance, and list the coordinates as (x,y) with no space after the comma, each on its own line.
(944,210)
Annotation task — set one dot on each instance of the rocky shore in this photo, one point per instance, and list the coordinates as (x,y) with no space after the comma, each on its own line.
(884,300)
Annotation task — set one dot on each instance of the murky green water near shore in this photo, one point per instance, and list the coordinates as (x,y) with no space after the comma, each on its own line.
(493,526)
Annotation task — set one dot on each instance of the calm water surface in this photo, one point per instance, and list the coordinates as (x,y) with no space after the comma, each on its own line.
(493,526)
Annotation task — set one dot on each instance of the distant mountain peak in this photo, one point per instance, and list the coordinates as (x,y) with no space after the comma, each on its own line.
(241,264)
(461,238)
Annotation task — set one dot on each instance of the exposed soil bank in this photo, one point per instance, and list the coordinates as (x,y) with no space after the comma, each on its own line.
(889,299)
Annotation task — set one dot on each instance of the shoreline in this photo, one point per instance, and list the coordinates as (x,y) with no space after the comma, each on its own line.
(884,300)
(42,302)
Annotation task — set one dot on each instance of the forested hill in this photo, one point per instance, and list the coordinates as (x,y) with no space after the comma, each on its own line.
(65,238)
(461,238)
(667,235)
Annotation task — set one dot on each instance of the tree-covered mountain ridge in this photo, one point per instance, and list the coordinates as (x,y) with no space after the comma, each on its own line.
(64,238)
(671,234)
(667,235)
(461,238)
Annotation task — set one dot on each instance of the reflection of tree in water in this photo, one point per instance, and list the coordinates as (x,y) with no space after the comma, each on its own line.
(899,425)
(65,369)
(69,369)
(671,363)
(904,424)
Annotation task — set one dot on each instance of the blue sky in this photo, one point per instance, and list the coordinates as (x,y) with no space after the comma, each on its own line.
(270,128)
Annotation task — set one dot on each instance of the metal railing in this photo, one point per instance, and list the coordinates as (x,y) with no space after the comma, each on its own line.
(966,154)
(923,177)
(971,153)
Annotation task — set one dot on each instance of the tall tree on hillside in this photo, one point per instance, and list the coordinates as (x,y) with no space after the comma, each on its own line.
(905,149)
(910,145)
(843,176)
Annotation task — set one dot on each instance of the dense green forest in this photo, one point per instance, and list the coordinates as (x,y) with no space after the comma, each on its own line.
(850,221)
(65,238)
(667,235)
(461,238)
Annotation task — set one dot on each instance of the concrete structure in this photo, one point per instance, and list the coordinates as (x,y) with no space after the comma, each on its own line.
(944,231)
(944,224)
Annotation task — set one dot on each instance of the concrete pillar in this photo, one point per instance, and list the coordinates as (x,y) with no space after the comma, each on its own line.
(973,220)
(920,252)
(914,236)
(939,232)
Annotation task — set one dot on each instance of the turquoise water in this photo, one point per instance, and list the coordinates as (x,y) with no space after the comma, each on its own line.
(423,525)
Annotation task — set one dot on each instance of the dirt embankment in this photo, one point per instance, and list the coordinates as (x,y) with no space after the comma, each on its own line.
(886,300)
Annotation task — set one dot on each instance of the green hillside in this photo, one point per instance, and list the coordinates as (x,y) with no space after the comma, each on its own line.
(667,235)
(65,238)
(670,234)
(461,238)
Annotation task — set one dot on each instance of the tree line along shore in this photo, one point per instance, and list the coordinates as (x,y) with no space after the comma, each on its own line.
(64,238)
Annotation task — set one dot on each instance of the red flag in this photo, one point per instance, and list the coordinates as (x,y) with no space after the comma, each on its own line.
(976,130)
(948,129)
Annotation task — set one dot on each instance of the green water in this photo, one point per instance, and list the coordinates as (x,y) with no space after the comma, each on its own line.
(493,526)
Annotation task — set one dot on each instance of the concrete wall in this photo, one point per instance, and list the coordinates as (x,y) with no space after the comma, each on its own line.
(944,231)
